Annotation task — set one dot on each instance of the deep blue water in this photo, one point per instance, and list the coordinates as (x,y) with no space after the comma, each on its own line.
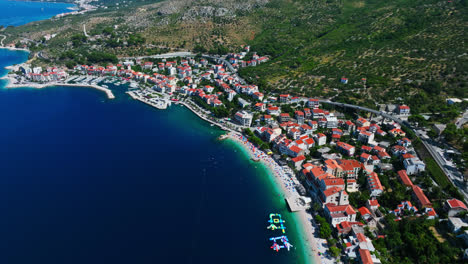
(15,13)
(84,179)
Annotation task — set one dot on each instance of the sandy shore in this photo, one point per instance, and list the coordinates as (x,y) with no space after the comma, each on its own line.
(11,48)
(11,84)
(309,234)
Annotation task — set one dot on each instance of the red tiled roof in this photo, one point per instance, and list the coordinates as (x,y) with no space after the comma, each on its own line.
(334,182)
(454,203)
(421,196)
(404,178)
(366,257)
(374,202)
(295,149)
(331,191)
(298,158)
(361,237)
(364,211)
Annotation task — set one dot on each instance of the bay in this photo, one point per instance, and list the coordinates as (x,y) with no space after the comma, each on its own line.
(15,13)
(84,179)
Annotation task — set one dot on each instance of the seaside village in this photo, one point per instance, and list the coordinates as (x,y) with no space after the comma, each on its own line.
(336,160)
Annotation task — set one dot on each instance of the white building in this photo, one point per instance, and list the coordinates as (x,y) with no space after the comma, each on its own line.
(244,118)
(414,165)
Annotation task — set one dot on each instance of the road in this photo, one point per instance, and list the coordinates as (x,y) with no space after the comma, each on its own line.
(462,120)
(1,41)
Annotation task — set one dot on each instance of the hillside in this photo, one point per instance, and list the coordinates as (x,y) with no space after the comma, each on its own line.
(409,51)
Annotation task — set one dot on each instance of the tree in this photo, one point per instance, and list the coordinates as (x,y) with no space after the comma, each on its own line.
(335,252)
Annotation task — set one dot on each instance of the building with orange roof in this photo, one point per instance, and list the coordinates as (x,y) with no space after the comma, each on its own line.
(373,182)
(365,213)
(404,178)
(346,148)
(420,197)
(454,206)
(339,213)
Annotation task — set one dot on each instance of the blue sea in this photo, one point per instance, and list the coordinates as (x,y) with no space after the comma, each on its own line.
(85,179)
(15,13)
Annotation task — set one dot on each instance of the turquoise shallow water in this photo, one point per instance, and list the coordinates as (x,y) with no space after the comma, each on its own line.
(15,13)
(85,179)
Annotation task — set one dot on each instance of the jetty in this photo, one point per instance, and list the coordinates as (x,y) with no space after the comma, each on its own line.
(12,84)
(298,203)
(154,102)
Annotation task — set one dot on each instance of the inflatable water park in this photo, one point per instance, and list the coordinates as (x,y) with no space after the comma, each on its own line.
(277,223)
(282,239)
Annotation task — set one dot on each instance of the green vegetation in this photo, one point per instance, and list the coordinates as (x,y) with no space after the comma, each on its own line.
(411,241)
(325,229)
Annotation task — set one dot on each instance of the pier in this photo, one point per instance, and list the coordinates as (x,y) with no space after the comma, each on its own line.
(298,203)
(158,103)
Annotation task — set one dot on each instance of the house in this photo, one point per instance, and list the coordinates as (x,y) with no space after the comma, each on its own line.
(405,142)
(345,148)
(313,125)
(349,126)
(297,161)
(366,137)
(403,110)
(295,151)
(456,224)
(414,166)
(273,110)
(345,227)
(352,185)
(372,204)
(365,157)
(284,98)
(334,195)
(344,80)
(267,118)
(244,118)
(365,213)
(243,103)
(332,121)
(420,197)
(365,257)
(320,139)
(361,122)
(404,178)
(397,132)
(454,206)
(373,182)
(339,213)
(300,117)
(284,117)
(259,107)
(313,103)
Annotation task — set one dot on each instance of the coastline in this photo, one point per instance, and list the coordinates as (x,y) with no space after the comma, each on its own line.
(15,49)
(308,237)
(10,85)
